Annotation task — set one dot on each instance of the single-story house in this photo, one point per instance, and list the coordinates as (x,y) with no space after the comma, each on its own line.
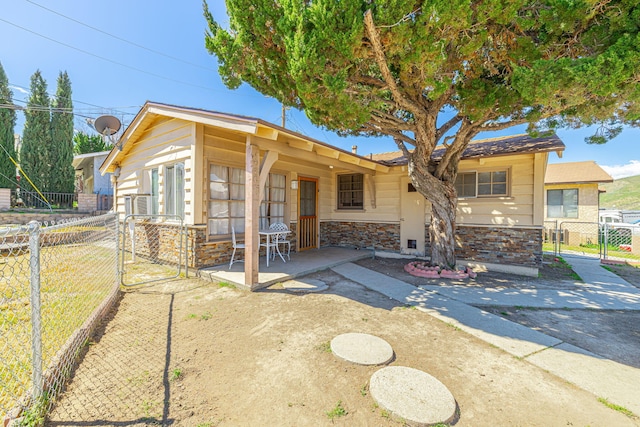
(572,192)
(95,190)
(220,171)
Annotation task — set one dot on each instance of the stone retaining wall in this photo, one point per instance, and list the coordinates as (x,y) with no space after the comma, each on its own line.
(23,218)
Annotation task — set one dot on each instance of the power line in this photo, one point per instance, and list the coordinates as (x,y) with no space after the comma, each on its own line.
(107,59)
(122,39)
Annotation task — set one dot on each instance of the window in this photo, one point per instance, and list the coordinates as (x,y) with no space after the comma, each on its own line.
(174,190)
(351,191)
(155,191)
(562,203)
(492,183)
(273,203)
(466,184)
(226,200)
(482,184)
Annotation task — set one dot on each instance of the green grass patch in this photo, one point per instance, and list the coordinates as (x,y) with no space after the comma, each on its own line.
(337,412)
(325,347)
(617,408)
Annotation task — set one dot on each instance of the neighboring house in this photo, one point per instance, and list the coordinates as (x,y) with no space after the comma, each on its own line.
(572,191)
(89,181)
(220,170)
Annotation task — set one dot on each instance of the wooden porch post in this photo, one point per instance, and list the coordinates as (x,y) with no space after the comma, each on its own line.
(251,214)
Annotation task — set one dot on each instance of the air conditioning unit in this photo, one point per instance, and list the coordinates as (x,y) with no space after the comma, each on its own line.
(142,204)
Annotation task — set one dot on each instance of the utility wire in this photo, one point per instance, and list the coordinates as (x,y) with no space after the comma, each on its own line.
(35,187)
(75,101)
(122,39)
(107,59)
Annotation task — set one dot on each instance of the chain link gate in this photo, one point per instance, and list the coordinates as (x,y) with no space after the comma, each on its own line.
(154,248)
(603,240)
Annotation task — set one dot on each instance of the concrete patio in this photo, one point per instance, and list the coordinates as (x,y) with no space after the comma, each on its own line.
(301,263)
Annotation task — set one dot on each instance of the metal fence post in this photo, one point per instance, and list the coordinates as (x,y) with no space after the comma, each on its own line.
(36,320)
(606,240)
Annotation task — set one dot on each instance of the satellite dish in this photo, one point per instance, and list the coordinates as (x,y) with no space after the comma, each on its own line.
(107,125)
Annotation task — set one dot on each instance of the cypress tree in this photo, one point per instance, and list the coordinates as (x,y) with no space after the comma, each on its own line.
(7,139)
(62,173)
(36,136)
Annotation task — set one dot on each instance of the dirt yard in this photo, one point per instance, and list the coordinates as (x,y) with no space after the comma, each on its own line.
(191,353)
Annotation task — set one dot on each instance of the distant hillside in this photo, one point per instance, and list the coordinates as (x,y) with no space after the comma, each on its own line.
(623,194)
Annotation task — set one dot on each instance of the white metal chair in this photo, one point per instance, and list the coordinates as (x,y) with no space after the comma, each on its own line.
(281,239)
(236,245)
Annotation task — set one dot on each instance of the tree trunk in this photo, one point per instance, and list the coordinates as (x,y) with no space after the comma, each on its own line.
(442,228)
(441,193)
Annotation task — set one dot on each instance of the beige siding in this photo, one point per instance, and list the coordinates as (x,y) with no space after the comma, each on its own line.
(588,202)
(516,209)
(165,143)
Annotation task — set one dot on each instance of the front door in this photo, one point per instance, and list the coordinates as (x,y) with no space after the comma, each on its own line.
(412,220)
(308,213)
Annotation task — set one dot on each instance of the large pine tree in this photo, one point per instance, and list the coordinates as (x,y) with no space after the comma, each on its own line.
(7,139)
(62,175)
(36,137)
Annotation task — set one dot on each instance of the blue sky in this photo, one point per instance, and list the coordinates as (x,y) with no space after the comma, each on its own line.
(158,54)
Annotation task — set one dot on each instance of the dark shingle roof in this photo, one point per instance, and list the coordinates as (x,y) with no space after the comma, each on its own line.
(501,146)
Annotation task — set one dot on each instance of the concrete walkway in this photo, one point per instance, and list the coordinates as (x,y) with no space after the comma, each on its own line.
(605,378)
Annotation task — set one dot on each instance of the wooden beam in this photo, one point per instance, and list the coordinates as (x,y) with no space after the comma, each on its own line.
(301,145)
(316,158)
(268,133)
(270,157)
(371,185)
(252,213)
(198,174)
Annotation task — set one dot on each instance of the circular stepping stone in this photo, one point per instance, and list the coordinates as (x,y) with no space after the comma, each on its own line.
(311,285)
(412,395)
(362,349)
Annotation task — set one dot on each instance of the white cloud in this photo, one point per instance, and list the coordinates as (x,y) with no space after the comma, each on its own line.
(622,171)
(19,89)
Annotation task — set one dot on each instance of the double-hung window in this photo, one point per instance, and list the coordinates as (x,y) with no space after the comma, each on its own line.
(174,190)
(562,203)
(351,191)
(482,184)
(226,200)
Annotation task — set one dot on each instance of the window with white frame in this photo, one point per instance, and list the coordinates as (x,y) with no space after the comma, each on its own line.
(562,203)
(155,191)
(174,190)
(482,184)
(351,191)
(226,200)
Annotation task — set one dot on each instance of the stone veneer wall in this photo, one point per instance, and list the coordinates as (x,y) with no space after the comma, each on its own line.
(500,245)
(205,254)
(491,244)
(360,235)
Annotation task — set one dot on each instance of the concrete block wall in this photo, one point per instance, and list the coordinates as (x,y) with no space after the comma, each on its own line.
(87,202)
(5,199)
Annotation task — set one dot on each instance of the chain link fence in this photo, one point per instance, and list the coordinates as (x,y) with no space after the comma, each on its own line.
(604,240)
(153,248)
(56,284)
